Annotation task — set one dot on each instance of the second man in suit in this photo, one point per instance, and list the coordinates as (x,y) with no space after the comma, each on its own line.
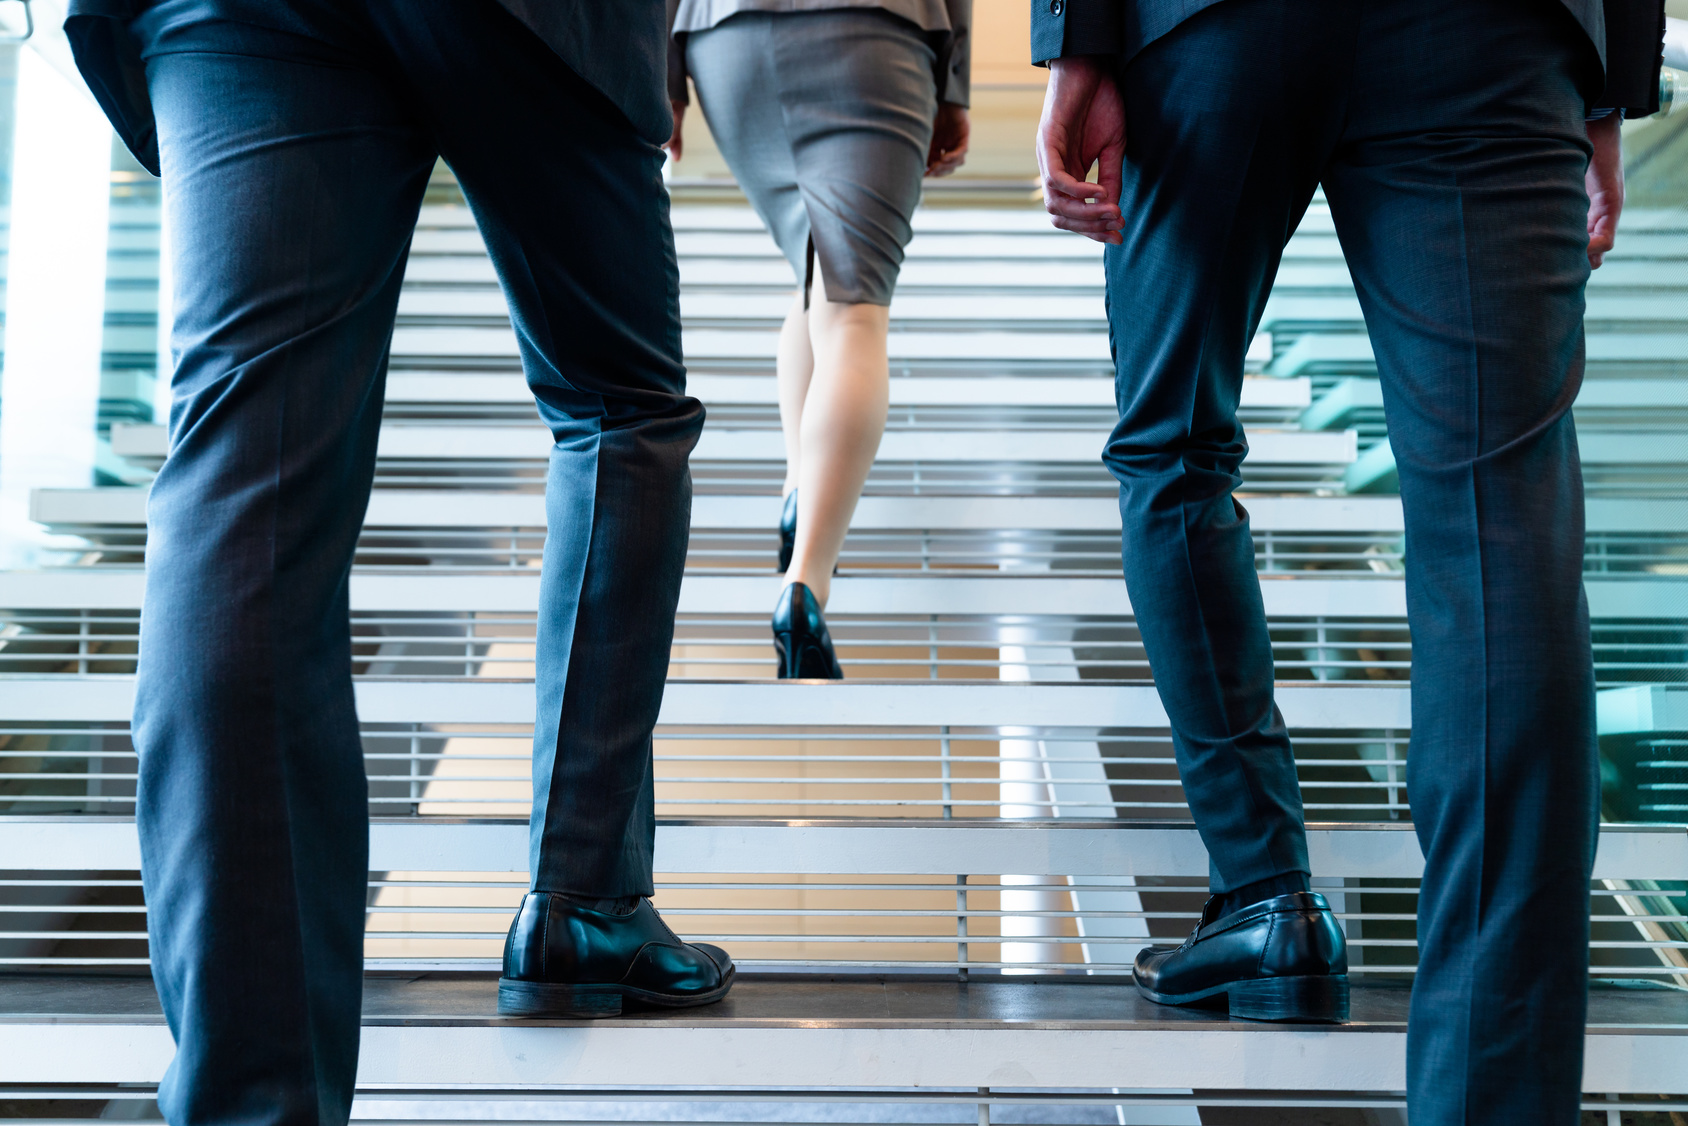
(1471,194)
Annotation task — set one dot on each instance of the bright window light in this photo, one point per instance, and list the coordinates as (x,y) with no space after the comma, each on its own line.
(50,387)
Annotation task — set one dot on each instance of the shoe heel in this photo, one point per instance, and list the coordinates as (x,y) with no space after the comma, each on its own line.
(556,1001)
(1315,998)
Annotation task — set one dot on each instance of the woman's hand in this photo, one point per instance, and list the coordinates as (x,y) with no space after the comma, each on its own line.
(950,131)
(675,143)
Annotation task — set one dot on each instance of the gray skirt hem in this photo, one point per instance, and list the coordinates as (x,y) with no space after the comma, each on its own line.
(825,118)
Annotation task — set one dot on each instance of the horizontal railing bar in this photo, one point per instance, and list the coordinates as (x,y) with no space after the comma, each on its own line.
(1333,705)
(506,442)
(1373,597)
(925,847)
(764,760)
(508,512)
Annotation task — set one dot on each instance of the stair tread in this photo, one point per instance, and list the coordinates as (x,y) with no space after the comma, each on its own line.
(783,1000)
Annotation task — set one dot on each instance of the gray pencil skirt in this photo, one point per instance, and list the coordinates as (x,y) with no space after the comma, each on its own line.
(825,118)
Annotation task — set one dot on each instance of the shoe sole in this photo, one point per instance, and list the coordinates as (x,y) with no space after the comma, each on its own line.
(1314,999)
(559,1001)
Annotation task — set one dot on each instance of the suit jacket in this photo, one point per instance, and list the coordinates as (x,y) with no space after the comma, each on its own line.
(618,46)
(1626,35)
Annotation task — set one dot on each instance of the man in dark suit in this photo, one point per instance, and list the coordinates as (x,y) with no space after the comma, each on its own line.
(1450,139)
(295,139)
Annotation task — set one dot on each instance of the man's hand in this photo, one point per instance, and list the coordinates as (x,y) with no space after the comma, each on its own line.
(675,143)
(1605,181)
(1083,123)
(950,131)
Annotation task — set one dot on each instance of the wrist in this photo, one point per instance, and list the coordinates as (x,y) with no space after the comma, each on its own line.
(1074,64)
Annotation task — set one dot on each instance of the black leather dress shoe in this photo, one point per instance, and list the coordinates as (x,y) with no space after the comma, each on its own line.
(566,961)
(1280,959)
(801,638)
(788,530)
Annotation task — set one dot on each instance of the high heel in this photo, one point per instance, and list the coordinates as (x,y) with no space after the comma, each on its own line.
(801,638)
(788,530)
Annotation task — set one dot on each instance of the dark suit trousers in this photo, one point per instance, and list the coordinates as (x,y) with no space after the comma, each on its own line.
(294,167)
(1449,137)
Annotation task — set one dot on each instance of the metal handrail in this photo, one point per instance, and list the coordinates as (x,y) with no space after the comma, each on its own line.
(28,26)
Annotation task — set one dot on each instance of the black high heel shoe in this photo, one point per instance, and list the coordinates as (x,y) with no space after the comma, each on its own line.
(788,530)
(801,639)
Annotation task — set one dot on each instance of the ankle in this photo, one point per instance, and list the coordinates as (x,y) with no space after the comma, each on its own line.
(615,905)
(817,590)
(820,590)
(1285,883)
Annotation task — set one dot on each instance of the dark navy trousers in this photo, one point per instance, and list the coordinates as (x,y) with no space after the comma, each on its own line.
(1449,138)
(295,158)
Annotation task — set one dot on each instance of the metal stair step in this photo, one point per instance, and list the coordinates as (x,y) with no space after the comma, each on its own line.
(433,1032)
(1316,351)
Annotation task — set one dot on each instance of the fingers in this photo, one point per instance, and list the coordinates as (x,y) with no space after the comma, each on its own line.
(1600,244)
(1088,201)
(1095,232)
(1111,172)
(1603,211)
(1085,208)
(1062,188)
(1058,181)
(942,162)
(1081,207)
(1605,183)
(1099,220)
(1073,204)
(676,143)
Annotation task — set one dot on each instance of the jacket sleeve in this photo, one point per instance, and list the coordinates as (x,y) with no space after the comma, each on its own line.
(676,60)
(1076,27)
(955,63)
(1635,42)
(110,61)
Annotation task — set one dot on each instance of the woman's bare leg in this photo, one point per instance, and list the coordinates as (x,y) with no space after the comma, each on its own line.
(794,364)
(843,417)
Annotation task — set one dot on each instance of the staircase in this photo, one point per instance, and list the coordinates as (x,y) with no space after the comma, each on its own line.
(935,875)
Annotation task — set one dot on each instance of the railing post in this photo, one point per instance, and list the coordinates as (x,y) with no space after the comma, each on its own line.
(944,769)
(415,772)
(1392,741)
(961,927)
